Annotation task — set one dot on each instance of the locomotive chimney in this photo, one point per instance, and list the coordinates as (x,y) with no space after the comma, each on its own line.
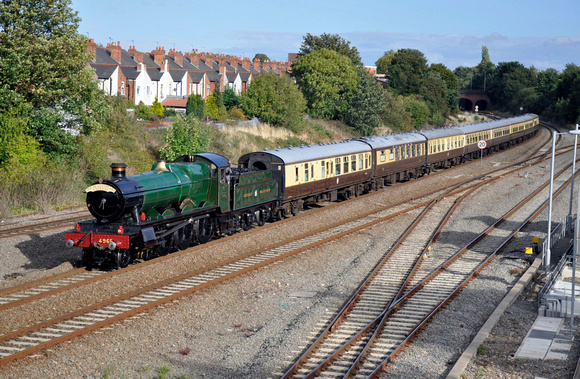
(118,170)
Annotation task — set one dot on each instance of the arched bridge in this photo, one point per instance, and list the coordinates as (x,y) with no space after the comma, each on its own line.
(468,99)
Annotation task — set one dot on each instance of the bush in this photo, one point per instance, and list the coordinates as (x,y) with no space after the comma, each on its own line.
(186,136)
(195,107)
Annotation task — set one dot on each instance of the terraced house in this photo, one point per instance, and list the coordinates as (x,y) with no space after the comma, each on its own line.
(172,77)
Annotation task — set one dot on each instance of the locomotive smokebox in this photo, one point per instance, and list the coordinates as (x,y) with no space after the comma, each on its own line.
(118,170)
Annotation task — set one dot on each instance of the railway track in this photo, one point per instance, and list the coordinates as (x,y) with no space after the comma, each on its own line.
(384,315)
(34,338)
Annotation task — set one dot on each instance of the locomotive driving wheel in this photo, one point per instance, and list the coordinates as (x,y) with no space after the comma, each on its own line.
(123,258)
(183,237)
(206,230)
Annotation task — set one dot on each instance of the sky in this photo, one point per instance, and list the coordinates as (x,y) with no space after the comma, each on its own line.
(535,33)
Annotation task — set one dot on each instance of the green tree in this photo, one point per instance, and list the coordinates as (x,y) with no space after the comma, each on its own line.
(211,108)
(262,57)
(451,85)
(509,87)
(230,98)
(331,42)
(326,79)
(43,61)
(433,93)
(195,106)
(142,111)
(406,71)
(546,86)
(384,62)
(418,110)
(365,105)
(464,76)
(394,113)
(568,94)
(186,136)
(157,108)
(275,100)
(219,102)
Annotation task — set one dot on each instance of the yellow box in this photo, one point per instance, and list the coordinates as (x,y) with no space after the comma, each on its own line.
(536,240)
(529,251)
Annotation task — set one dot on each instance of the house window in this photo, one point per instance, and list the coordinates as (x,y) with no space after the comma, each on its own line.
(122,88)
(138,89)
(148,90)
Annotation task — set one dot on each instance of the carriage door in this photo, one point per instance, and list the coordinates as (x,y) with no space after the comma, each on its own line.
(224,190)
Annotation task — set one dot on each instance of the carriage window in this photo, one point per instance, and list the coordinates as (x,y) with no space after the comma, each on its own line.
(297,177)
(337,166)
(353,163)
(397,154)
(408,151)
(419,150)
(306,172)
(323,170)
(414,150)
(367,156)
(360,161)
(391,154)
(383,156)
(345,160)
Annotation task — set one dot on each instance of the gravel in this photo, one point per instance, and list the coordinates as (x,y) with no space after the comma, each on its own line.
(255,325)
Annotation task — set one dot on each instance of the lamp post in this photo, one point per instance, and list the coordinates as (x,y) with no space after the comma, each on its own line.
(549,239)
(576,233)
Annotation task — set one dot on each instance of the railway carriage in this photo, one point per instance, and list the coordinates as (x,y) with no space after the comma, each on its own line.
(396,157)
(309,174)
(444,147)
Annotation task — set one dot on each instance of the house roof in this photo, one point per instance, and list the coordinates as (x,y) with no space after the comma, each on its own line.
(149,62)
(188,65)
(177,75)
(212,76)
(231,76)
(127,59)
(104,71)
(103,56)
(130,73)
(154,74)
(245,76)
(196,77)
(175,101)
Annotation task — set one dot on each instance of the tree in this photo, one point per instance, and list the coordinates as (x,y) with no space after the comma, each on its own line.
(157,108)
(275,100)
(434,93)
(43,61)
(418,110)
(211,108)
(262,57)
(326,79)
(331,42)
(406,71)
(384,62)
(230,98)
(365,105)
(508,89)
(195,106)
(186,136)
(451,85)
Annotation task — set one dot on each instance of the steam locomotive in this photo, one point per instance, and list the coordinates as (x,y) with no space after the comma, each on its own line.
(199,196)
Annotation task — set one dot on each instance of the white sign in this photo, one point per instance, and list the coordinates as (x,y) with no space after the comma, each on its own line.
(482,144)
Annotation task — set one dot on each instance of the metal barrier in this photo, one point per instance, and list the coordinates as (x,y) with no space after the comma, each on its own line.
(554,305)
